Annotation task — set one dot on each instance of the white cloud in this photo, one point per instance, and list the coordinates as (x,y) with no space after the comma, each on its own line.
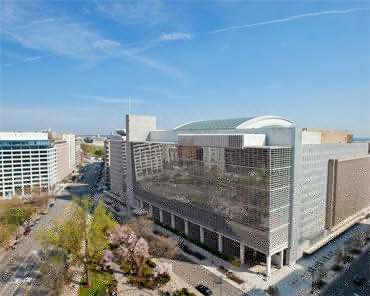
(175,36)
(32,27)
(31,59)
(110,100)
(105,44)
(119,101)
(153,64)
(286,19)
(133,12)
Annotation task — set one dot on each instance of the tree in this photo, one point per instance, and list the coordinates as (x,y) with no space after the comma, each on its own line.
(106,261)
(83,237)
(141,254)
(166,247)
(128,247)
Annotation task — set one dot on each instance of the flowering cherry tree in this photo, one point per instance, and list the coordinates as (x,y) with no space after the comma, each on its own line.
(106,260)
(129,247)
(123,235)
(141,254)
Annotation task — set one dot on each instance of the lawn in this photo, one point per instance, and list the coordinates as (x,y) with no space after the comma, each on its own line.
(93,150)
(100,282)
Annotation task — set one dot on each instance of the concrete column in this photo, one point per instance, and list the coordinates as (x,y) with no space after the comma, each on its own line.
(141,204)
(281,261)
(220,242)
(161,215)
(268,265)
(242,253)
(254,254)
(186,227)
(201,234)
(172,221)
(150,210)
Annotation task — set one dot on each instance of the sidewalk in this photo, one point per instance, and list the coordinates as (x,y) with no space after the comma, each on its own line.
(291,280)
(176,283)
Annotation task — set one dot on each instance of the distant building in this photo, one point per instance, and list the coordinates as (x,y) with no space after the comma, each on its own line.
(78,151)
(332,136)
(117,167)
(107,162)
(62,160)
(244,186)
(70,139)
(28,164)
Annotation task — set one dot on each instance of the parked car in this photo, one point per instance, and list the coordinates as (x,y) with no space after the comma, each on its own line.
(359,280)
(27,231)
(204,290)
(14,244)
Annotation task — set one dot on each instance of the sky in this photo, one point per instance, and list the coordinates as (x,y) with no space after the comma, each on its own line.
(73,66)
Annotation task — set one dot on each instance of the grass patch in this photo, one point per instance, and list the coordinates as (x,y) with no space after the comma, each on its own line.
(100,281)
(183,180)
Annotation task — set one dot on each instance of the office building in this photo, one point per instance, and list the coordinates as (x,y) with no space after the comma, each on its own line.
(28,164)
(78,152)
(70,139)
(62,160)
(246,187)
(107,162)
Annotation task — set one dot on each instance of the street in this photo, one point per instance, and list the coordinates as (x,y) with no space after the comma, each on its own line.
(19,270)
(344,284)
(195,274)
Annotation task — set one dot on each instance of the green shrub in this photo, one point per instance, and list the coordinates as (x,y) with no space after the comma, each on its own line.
(147,271)
(162,279)
(128,268)
(235,262)
(151,263)
(183,292)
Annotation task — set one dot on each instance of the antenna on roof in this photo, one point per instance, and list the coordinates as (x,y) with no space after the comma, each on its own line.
(129,105)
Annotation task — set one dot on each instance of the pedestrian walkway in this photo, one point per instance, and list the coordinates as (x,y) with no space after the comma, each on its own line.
(291,280)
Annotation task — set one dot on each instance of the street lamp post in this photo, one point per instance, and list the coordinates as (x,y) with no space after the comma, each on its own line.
(219,282)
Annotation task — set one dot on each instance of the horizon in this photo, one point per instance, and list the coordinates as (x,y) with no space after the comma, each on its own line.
(75,67)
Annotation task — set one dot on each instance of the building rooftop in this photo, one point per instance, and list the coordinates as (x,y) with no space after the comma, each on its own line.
(236,123)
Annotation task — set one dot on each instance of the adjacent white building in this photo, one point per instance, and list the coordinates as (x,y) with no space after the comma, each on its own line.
(28,163)
(70,139)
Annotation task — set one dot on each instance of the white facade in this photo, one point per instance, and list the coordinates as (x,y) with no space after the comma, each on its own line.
(70,138)
(117,169)
(28,164)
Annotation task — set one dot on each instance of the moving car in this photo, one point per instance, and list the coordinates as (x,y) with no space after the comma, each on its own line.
(27,231)
(204,290)
(359,280)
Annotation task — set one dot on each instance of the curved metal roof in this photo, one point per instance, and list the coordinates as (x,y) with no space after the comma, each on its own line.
(236,123)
